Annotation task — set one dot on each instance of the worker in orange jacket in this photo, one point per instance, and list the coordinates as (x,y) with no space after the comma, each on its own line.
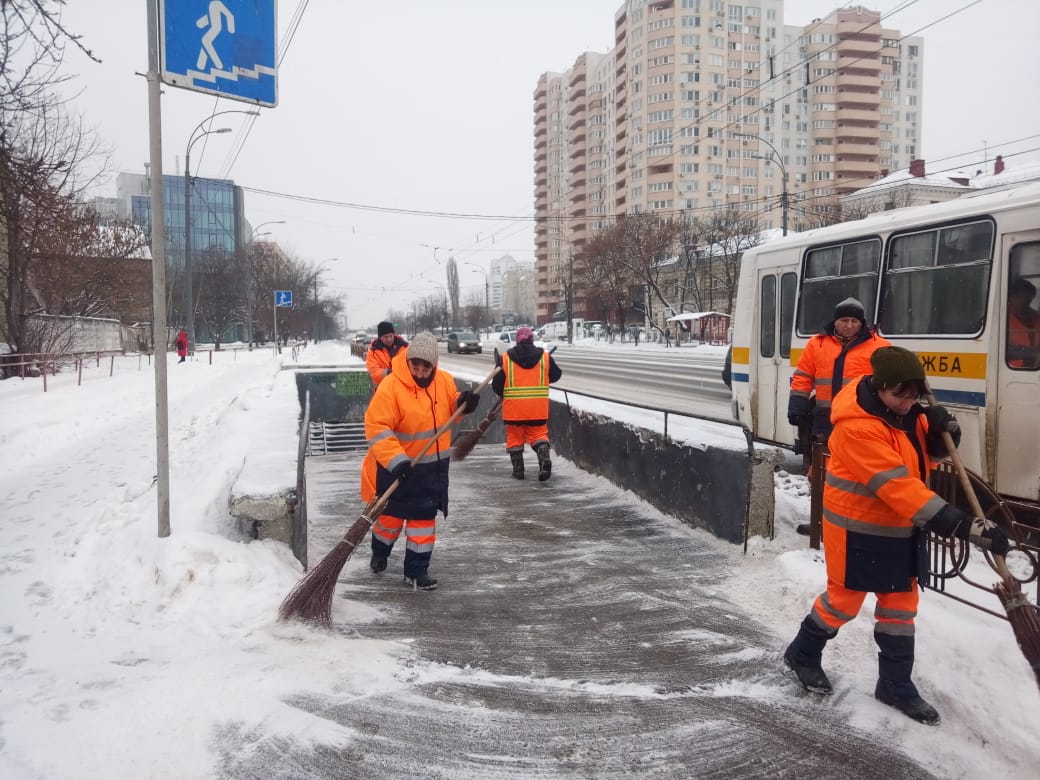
(832,358)
(381,352)
(523,384)
(876,509)
(1023,349)
(407,408)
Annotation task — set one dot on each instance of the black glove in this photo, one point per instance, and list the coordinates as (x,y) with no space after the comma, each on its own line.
(467,401)
(940,420)
(402,471)
(798,409)
(993,538)
(949,522)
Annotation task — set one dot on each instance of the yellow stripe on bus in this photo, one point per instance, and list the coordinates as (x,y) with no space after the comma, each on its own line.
(957,365)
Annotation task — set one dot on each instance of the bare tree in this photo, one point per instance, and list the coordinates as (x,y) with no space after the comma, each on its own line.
(605,274)
(453,288)
(43,149)
(727,235)
(221,303)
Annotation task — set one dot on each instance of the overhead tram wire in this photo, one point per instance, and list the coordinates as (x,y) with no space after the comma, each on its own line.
(287,39)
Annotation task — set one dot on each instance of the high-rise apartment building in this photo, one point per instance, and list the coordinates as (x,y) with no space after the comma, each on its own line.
(707,104)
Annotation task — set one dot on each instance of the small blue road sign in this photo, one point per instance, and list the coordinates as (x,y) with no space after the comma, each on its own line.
(283,299)
(223,47)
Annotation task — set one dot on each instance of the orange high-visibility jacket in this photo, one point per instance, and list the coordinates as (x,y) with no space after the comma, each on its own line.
(525,391)
(379,358)
(1023,340)
(827,365)
(875,496)
(400,419)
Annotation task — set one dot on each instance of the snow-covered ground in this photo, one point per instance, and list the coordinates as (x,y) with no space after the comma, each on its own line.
(122,654)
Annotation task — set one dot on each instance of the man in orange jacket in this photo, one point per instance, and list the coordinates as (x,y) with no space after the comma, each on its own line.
(832,358)
(523,384)
(406,410)
(381,352)
(876,509)
(1023,349)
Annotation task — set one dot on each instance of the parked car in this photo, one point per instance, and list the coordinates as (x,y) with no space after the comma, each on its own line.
(464,342)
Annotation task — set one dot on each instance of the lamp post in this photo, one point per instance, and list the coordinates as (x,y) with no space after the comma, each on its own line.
(487,294)
(251,276)
(196,134)
(776,156)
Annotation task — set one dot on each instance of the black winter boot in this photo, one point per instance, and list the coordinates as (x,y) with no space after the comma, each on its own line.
(805,653)
(518,464)
(544,464)
(894,686)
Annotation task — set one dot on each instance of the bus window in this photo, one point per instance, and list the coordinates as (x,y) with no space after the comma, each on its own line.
(937,281)
(834,273)
(767,327)
(788,289)
(1023,319)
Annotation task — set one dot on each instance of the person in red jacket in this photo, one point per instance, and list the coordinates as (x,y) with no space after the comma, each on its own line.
(381,352)
(523,384)
(876,509)
(181,343)
(408,407)
(832,358)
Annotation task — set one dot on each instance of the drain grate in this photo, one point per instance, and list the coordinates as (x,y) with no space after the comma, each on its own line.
(330,436)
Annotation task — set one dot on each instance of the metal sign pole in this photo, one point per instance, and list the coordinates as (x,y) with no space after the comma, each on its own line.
(275,307)
(159,336)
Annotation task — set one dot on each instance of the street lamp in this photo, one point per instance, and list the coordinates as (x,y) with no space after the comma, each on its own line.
(487,293)
(778,158)
(196,135)
(250,268)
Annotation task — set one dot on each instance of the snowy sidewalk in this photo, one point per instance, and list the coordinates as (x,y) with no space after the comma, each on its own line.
(572,635)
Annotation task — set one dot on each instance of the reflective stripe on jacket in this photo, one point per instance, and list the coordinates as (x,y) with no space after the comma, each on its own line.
(827,366)
(525,391)
(400,419)
(875,496)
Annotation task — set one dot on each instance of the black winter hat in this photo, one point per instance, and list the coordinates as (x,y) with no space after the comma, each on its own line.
(850,307)
(385,328)
(895,366)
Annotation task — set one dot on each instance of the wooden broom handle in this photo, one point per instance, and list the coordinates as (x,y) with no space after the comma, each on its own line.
(966,486)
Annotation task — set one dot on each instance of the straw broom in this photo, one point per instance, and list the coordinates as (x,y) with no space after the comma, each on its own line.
(1023,616)
(466,444)
(311,599)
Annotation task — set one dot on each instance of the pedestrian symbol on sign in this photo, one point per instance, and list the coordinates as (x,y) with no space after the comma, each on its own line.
(283,299)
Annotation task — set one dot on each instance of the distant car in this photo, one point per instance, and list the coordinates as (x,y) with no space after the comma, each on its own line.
(464,342)
(507,340)
(362,338)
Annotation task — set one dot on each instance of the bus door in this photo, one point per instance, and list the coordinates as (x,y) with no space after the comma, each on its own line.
(1018,374)
(772,353)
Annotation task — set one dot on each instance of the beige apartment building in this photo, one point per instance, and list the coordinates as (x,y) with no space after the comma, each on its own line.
(707,104)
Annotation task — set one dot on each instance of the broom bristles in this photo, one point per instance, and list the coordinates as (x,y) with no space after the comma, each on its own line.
(311,599)
(469,441)
(1024,619)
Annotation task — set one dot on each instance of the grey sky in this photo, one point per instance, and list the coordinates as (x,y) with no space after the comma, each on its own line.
(428,105)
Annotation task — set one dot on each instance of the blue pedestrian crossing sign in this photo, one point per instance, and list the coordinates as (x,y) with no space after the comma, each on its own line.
(223,47)
(283,299)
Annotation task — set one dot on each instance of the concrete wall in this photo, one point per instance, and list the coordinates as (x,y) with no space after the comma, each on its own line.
(708,488)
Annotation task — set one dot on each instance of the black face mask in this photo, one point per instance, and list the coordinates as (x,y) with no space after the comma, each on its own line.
(427,381)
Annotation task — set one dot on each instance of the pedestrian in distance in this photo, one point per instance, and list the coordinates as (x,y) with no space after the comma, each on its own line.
(523,384)
(836,356)
(382,351)
(877,508)
(414,400)
(667,337)
(181,343)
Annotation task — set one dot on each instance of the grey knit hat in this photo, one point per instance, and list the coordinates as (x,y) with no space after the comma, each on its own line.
(895,366)
(424,347)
